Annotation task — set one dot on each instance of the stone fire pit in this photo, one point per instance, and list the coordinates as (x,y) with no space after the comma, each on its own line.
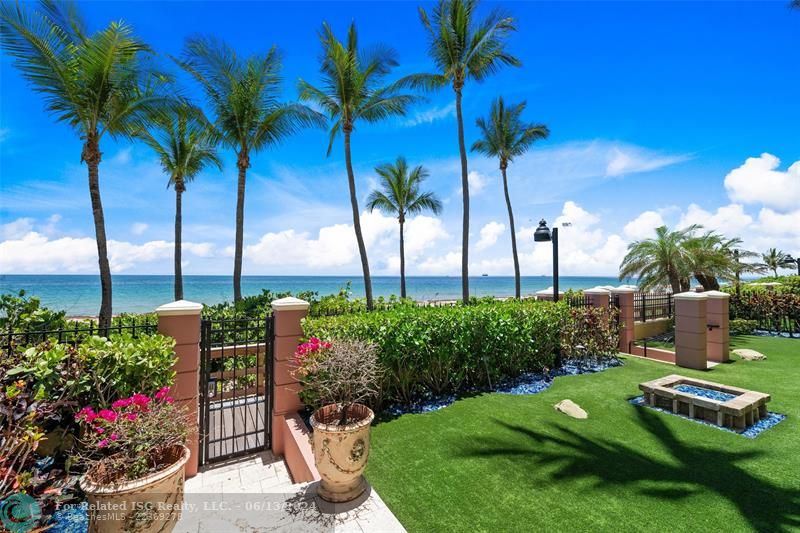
(719,404)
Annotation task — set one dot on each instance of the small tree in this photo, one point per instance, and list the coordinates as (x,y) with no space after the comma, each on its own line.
(341,372)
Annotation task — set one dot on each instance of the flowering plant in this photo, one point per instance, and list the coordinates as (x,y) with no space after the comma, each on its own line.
(342,372)
(132,437)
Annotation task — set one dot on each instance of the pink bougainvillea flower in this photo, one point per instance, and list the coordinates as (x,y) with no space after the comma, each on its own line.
(140,400)
(131,416)
(169,399)
(119,404)
(107,415)
(162,393)
(103,443)
(86,414)
(114,437)
(99,430)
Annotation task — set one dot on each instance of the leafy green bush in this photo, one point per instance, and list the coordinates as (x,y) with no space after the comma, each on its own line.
(741,326)
(99,370)
(590,332)
(25,313)
(773,311)
(445,349)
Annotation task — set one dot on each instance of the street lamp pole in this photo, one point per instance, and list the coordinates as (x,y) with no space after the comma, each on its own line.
(543,234)
(555,264)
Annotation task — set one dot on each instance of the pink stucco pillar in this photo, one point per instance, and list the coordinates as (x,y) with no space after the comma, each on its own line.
(626,318)
(598,297)
(718,334)
(181,321)
(691,330)
(288,313)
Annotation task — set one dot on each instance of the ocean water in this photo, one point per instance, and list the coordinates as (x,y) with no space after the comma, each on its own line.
(80,295)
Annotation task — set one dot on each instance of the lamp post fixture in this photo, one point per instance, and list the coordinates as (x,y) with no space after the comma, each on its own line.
(543,234)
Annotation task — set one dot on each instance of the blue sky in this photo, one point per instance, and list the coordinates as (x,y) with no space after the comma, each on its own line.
(660,112)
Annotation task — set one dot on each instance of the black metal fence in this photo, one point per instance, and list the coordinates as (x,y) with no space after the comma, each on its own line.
(579,300)
(79,331)
(653,305)
(235,387)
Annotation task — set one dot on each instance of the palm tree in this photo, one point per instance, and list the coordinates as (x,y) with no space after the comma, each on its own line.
(95,82)
(775,259)
(352,90)
(660,261)
(401,197)
(183,143)
(505,137)
(248,116)
(464,48)
(711,257)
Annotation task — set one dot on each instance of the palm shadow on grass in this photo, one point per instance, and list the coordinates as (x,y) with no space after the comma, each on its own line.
(693,471)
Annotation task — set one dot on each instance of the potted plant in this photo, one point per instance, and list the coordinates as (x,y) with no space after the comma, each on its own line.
(135,455)
(336,376)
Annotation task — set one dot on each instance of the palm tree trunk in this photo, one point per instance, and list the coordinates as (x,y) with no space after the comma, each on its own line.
(243,162)
(402,263)
(362,250)
(91,154)
(517,289)
(465,200)
(178,230)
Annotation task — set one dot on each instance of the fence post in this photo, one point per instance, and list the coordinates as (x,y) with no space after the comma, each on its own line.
(626,318)
(690,330)
(718,336)
(181,321)
(598,297)
(288,314)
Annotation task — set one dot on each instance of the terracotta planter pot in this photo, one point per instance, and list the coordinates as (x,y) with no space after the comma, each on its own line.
(146,505)
(341,452)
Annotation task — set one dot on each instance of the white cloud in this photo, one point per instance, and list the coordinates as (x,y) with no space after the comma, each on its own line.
(489,235)
(17,229)
(432,114)
(477,182)
(758,181)
(123,157)
(631,160)
(643,226)
(730,220)
(139,227)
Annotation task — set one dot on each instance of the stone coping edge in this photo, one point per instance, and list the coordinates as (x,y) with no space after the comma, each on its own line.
(180,307)
(290,304)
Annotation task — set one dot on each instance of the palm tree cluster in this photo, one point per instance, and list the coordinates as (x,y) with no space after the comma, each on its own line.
(672,258)
(107,83)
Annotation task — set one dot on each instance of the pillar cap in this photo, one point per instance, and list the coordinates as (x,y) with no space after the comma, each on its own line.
(623,290)
(548,290)
(691,295)
(597,290)
(290,304)
(180,307)
(717,295)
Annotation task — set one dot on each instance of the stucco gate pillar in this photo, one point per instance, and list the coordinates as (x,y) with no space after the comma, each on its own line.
(718,335)
(626,318)
(598,297)
(181,321)
(690,330)
(288,314)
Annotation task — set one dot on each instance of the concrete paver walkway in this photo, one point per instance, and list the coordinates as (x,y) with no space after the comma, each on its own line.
(255,493)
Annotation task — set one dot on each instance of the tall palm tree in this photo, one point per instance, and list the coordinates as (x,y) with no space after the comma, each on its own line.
(182,140)
(243,93)
(400,196)
(463,48)
(775,259)
(505,137)
(660,261)
(96,83)
(353,90)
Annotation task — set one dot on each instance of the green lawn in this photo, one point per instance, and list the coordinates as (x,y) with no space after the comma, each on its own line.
(498,462)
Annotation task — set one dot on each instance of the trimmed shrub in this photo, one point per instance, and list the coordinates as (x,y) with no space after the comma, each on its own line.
(445,349)
(590,333)
(741,326)
(773,311)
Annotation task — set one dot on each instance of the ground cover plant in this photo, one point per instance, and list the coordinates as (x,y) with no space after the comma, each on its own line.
(512,462)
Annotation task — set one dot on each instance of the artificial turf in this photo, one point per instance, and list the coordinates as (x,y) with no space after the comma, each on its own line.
(497,462)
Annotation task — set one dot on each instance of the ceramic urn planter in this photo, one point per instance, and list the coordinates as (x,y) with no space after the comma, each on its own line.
(146,505)
(341,452)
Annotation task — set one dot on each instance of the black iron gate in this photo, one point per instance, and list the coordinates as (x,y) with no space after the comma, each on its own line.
(235,387)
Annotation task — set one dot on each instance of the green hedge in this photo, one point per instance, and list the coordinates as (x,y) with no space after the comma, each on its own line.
(445,349)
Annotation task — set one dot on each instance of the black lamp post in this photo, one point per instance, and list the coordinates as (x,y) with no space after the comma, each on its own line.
(543,234)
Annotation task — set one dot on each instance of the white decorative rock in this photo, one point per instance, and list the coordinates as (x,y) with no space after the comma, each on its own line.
(570,408)
(749,355)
